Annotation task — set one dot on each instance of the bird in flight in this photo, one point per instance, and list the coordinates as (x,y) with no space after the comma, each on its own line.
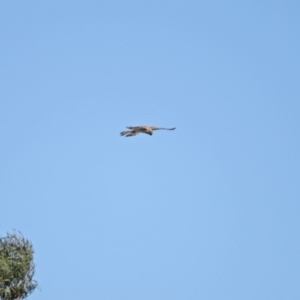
(142,129)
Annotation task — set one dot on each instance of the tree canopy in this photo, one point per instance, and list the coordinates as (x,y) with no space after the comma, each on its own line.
(16,267)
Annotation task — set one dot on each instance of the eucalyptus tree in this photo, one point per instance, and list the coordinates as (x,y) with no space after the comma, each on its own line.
(16,267)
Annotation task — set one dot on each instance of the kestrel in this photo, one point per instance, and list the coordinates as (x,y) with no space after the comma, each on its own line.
(142,129)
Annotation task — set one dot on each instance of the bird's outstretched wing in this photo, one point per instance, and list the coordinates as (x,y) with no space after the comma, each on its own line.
(136,127)
(161,128)
(149,127)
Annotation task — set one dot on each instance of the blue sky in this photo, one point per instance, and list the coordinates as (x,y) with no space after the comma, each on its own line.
(208,211)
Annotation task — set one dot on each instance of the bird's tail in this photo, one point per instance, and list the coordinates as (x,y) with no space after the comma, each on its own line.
(125,132)
(128,133)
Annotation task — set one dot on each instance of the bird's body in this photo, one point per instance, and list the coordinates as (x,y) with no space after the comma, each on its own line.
(134,130)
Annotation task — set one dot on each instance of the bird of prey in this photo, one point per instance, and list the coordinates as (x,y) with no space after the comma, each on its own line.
(142,129)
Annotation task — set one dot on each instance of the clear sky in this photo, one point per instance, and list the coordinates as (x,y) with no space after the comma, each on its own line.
(208,211)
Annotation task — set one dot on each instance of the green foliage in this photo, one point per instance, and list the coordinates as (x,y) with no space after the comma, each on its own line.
(16,267)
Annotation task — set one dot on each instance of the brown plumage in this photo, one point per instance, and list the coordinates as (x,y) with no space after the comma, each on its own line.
(142,129)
